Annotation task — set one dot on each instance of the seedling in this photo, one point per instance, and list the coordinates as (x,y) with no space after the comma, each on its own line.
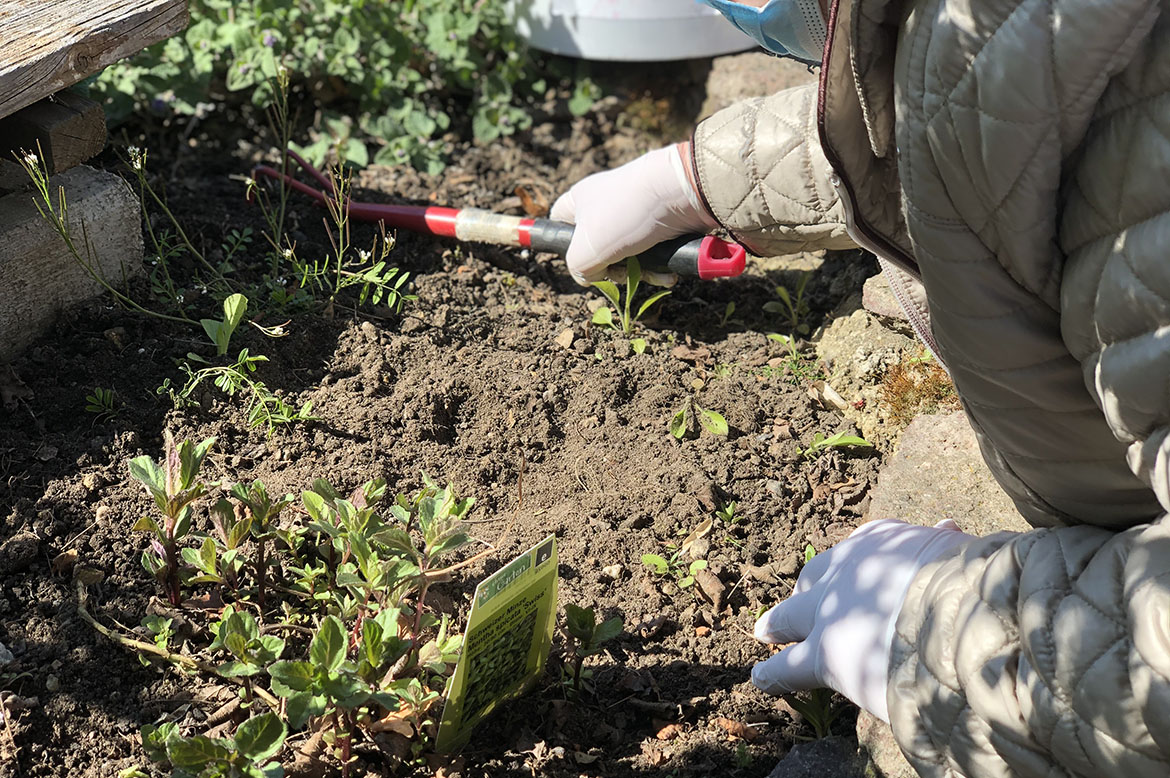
(588,636)
(262,512)
(604,316)
(247,755)
(840,440)
(728,312)
(818,708)
(726,513)
(160,632)
(220,332)
(174,486)
(101,403)
(809,553)
(792,305)
(674,566)
(682,422)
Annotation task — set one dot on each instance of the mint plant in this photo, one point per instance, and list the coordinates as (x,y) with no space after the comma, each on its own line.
(174,485)
(261,515)
(588,635)
(249,754)
(623,304)
(250,653)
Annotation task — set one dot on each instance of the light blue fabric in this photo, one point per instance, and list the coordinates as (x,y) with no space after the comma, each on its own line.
(789,28)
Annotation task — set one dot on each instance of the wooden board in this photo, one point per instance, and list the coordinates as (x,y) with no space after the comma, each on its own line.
(67,129)
(38,276)
(51,44)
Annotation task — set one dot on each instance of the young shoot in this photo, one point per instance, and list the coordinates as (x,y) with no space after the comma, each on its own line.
(626,315)
(248,754)
(174,485)
(588,635)
(683,422)
(840,440)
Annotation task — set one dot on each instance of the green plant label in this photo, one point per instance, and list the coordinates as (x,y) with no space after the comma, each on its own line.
(506,644)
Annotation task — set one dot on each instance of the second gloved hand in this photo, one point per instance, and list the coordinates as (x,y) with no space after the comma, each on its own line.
(622,212)
(841,616)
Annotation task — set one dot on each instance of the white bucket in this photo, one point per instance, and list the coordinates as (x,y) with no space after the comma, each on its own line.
(627,30)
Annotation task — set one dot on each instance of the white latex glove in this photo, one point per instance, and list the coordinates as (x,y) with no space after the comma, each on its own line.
(621,213)
(843,612)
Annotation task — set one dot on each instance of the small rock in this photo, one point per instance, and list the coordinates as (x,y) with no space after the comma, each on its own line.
(369,329)
(18,552)
(102,514)
(52,683)
(829,757)
(775,488)
(90,481)
(565,339)
(46,453)
(612,572)
(877,297)
(6,656)
(117,336)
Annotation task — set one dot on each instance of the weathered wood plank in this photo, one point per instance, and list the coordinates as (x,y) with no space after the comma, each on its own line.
(67,128)
(51,44)
(38,277)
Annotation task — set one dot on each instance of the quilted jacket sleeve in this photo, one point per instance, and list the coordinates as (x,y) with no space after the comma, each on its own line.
(764,177)
(1048,653)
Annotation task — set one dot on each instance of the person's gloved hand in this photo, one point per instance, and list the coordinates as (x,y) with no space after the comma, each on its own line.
(843,611)
(622,212)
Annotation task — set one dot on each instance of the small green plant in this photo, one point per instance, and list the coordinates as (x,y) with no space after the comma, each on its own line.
(101,403)
(626,316)
(160,631)
(220,331)
(728,312)
(174,485)
(675,566)
(588,635)
(809,553)
(249,754)
(743,757)
(818,708)
(792,305)
(727,513)
(840,440)
(682,423)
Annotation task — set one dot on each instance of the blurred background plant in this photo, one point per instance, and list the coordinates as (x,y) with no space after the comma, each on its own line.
(385,80)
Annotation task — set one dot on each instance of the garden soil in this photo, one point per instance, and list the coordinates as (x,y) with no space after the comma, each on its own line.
(494,380)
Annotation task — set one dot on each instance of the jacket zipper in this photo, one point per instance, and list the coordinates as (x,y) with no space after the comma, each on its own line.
(914,316)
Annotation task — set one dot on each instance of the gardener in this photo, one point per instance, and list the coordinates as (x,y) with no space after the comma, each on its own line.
(1009,163)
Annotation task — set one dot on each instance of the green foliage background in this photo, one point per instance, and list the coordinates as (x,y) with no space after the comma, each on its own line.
(401,71)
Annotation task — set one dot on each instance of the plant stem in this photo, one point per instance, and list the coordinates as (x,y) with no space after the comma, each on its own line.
(260,573)
(174,594)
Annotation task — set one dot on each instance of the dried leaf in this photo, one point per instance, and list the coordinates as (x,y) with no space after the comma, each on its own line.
(648,629)
(826,396)
(64,561)
(669,732)
(534,203)
(696,356)
(700,531)
(736,729)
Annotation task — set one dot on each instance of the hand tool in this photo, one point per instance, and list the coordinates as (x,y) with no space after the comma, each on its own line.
(705,257)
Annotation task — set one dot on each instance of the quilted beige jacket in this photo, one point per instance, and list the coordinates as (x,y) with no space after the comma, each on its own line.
(1012,156)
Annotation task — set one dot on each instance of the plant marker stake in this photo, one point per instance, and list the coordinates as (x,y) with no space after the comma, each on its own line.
(705,257)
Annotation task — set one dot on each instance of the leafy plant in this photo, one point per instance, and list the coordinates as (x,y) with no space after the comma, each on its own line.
(626,317)
(809,553)
(220,332)
(101,403)
(262,513)
(248,754)
(727,513)
(728,312)
(174,485)
(588,635)
(792,305)
(675,566)
(250,652)
(817,707)
(387,81)
(682,421)
(839,440)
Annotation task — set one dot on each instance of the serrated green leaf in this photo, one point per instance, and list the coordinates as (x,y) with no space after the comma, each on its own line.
(260,737)
(195,753)
(290,677)
(608,630)
(327,650)
(303,706)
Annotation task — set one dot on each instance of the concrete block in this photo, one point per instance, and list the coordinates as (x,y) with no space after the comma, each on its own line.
(38,275)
